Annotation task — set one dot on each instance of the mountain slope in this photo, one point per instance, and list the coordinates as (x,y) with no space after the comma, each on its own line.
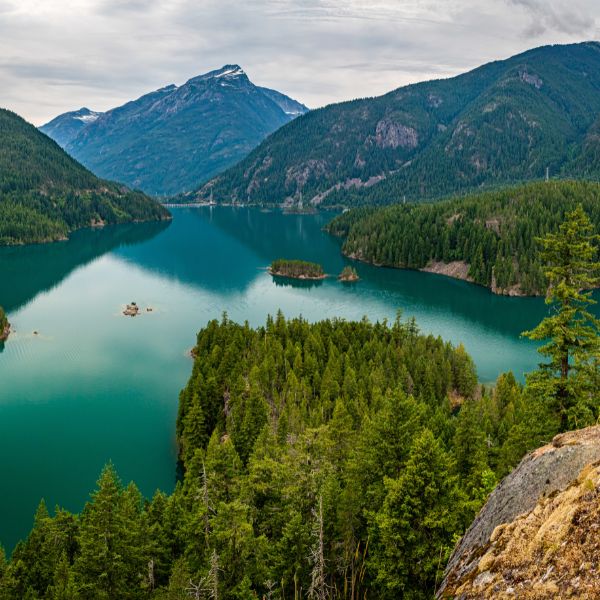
(486,238)
(45,194)
(172,139)
(506,121)
(65,127)
(537,535)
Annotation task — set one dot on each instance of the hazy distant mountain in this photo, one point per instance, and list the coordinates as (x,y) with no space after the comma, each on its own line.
(65,127)
(173,139)
(504,122)
(45,194)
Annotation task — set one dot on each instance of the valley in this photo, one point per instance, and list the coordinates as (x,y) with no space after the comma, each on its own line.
(368,417)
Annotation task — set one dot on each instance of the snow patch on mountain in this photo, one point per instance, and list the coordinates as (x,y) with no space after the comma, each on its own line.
(88,118)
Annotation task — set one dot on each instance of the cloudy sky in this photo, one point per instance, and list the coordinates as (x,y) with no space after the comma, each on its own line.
(58,55)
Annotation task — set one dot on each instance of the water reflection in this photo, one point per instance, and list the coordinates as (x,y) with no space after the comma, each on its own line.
(224,250)
(296,283)
(28,270)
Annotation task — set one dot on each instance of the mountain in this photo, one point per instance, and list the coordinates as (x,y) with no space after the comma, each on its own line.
(65,127)
(45,194)
(537,535)
(172,139)
(486,238)
(506,121)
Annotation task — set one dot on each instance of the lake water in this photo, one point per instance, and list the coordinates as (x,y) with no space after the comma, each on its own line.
(94,386)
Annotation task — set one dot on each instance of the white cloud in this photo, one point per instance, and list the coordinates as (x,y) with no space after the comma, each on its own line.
(57,55)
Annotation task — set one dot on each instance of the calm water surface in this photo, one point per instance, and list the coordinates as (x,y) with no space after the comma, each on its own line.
(94,386)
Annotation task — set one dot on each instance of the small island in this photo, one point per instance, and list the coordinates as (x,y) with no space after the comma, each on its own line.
(4,326)
(348,275)
(297,269)
(132,310)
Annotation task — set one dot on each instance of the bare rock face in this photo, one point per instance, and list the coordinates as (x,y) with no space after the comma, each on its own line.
(531,79)
(301,173)
(389,134)
(538,535)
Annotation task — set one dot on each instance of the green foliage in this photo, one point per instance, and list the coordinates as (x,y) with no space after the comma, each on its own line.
(335,460)
(45,194)
(337,408)
(296,268)
(505,122)
(569,380)
(495,233)
(413,530)
(348,274)
(3,322)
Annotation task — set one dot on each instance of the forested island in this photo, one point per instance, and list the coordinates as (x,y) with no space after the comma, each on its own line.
(489,238)
(327,460)
(45,194)
(4,326)
(297,269)
(348,274)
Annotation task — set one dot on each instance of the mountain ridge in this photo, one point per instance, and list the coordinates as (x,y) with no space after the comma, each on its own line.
(503,122)
(171,139)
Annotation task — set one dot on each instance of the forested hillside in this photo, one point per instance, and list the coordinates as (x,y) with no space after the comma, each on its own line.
(493,234)
(321,460)
(507,121)
(45,194)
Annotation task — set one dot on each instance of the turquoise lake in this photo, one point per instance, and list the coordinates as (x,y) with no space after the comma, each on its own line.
(93,386)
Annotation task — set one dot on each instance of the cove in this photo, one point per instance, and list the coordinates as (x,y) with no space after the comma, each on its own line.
(94,386)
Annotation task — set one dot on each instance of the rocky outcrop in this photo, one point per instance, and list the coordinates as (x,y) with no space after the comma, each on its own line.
(459,269)
(389,134)
(531,79)
(132,310)
(538,535)
(300,174)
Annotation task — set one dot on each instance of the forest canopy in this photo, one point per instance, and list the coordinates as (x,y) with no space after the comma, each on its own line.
(320,460)
(494,233)
(300,269)
(45,194)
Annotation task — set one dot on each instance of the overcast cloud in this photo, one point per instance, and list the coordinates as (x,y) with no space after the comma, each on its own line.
(59,55)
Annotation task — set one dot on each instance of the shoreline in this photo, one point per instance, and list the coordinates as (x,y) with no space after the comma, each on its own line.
(300,277)
(449,270)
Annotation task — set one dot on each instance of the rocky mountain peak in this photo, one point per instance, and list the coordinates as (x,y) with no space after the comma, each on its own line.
(226,74)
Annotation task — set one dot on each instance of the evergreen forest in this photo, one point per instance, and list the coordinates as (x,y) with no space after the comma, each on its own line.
(494,233)
(45,194)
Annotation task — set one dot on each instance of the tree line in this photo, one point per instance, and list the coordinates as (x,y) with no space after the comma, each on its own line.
(494,233)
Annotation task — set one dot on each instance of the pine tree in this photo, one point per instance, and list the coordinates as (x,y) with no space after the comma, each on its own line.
(416,524)
(104,570)
(573,333)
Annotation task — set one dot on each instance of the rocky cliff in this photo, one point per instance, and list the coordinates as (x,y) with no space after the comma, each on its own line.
(538,536)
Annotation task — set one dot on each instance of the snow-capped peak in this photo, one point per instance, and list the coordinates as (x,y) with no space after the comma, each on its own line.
(87,116)
(230,71)
(224,74)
